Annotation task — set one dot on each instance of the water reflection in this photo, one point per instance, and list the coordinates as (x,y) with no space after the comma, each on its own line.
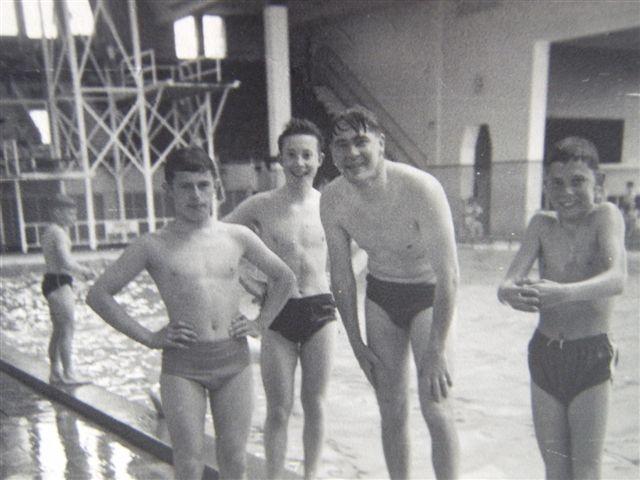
(42,440)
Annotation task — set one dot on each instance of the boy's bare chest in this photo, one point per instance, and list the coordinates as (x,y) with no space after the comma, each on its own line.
(570,256)
(294,229)
(204,259)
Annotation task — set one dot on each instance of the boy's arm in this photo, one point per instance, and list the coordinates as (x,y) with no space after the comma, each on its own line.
(62,247)
(281,284)
(610,236)
(101,299)
(512,291)
(436,225)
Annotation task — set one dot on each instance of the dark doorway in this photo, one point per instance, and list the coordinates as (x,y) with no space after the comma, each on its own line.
(482,176)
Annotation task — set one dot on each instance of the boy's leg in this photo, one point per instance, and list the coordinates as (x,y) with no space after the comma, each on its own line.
(231,408)
(278,359)
(552,432)
(391,344)
(315,359)
(61,308)
(184,404)
(445,446)
(588,414)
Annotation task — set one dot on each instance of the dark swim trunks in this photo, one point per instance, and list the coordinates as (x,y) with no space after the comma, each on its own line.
(566,368)
(211,364)
(53,281)
(401,301)
(302,317)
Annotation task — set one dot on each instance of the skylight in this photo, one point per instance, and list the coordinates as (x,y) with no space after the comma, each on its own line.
(215,39)
(186,39)
(8,19)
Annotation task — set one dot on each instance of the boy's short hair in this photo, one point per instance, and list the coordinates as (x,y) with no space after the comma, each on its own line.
(575,148)
(60,200)
(190,159)
(301,126)
(355,118)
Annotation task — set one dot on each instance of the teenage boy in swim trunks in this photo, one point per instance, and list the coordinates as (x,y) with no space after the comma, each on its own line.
(57,287)
(194,263)
(288,221)
(400,216)
(582,263)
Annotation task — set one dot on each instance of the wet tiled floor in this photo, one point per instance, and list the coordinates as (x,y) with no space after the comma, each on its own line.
(40,439)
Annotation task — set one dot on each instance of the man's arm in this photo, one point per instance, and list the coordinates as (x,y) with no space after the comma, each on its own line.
(101,299)
(281,284)
(515,290)
(62,249)
(436,225)
(610,236)
(343,285)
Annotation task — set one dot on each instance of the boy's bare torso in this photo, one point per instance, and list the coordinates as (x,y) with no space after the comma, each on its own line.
(54,241)
(570,255)
(197,276)
(387,229)
(292,230)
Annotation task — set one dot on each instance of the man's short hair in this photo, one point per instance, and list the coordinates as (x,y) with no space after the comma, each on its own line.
(575,148)
(355,118)
(60,200)
(301,126)
(191,159)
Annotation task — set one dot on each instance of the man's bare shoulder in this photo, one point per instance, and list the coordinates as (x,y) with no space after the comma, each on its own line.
(607,211)
(543,220)
(413,179)
(334,191)
(54,232)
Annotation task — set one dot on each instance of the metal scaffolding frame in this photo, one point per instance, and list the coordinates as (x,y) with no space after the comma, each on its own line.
(118,113)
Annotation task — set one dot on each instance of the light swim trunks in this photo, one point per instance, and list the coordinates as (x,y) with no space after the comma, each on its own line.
(302,317)
(401,301)
(566,368)
(210,364)
(53,281)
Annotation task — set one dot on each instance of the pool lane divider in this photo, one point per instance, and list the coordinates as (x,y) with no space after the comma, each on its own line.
(132,421)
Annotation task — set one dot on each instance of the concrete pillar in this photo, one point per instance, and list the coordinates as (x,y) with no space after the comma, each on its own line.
(276,40)
(537,126)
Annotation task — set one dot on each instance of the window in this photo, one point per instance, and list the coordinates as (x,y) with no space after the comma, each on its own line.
(38,14)
(8,19)
(41,120)
(215,39)
(185,37)
(81,17)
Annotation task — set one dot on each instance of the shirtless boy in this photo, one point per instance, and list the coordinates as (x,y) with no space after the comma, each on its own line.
(57,287)
(288,221)
(400,216)
(582,263)
(194,263)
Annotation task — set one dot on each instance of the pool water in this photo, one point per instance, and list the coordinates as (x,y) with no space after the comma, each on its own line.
(44,440)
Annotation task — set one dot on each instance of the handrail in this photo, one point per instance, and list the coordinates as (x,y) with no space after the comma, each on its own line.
(334,72)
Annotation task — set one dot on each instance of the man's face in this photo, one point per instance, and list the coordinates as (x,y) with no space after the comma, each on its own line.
(571,188)
(300,156)
(359,155)
(193,195)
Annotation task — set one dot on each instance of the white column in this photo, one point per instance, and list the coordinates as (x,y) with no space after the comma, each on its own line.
(537,125)
(276,41)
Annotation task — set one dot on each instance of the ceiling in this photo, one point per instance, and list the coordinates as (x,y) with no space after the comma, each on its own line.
(627,40)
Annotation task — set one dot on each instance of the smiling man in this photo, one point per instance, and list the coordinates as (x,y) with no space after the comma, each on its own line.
(400,216)
(288,221)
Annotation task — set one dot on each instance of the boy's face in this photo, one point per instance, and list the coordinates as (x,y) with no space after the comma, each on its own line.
(64,215)
(193,195)
(300,156)
(359,155)
(571,188)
